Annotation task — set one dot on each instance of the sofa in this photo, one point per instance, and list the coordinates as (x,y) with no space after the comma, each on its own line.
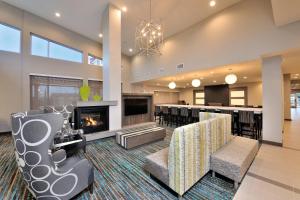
(187,159)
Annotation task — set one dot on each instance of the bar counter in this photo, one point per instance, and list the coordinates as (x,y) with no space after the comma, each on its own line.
(235,109)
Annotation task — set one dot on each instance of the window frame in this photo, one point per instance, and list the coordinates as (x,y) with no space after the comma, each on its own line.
(57,43)
(97,57)
(49,76)
(194,97)
(245,89)
(21,37)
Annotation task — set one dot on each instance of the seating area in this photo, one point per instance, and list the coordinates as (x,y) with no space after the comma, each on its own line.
(149,100)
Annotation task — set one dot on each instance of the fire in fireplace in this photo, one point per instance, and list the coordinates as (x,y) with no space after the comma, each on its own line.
(91,119)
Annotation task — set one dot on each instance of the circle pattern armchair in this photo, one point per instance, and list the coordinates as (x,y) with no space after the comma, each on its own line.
(33,136)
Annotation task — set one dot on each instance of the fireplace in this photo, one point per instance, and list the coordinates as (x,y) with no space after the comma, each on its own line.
(92,118)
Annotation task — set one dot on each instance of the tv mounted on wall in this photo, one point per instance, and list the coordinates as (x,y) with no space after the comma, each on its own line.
(135,106)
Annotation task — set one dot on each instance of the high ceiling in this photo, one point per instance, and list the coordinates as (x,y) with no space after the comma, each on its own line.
(247,72)
(84,17)
(286,11)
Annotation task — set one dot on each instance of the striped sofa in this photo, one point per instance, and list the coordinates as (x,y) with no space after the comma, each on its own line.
(187,159)
(133,137)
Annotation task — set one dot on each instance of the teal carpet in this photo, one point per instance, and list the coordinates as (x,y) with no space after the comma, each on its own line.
(118,175)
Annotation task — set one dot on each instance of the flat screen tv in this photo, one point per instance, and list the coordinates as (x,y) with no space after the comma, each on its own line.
(135,106)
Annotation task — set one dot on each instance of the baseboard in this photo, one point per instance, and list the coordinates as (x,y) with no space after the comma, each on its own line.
(272,143)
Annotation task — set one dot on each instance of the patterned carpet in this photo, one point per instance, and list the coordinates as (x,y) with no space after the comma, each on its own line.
(118,174)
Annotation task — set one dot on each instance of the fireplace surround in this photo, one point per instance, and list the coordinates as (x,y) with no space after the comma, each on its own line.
(92,118)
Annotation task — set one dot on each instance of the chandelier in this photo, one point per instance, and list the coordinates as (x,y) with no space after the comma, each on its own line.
(149,37)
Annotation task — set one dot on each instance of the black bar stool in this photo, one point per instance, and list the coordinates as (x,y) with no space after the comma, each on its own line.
(195,115)
(165,115)
(174,116)
(157,114)
(247,123)
(184,116)
(258,125)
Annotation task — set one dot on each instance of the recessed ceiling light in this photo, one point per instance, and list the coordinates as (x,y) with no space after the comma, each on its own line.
(124,9)
(57,14)
(130,50)
(212,3)
(245,77)
(214,81)
(100,35)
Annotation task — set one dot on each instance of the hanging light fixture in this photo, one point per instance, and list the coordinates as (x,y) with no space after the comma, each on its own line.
(231,79)
(172,85)
(196,83)
(149,36)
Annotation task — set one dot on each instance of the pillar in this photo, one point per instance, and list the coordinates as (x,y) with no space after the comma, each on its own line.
(287,96)
(273,101)
(112,64)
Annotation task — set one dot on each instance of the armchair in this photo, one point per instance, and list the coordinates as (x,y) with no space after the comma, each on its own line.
(47,176)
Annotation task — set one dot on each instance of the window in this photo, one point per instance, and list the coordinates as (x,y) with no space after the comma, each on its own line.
(199,97)
(10,39)
(238,96)
(93,60)
(46,48)
(53,91)
(96,88)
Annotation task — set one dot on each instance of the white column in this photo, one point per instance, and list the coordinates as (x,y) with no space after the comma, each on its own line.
(112,64)
(287,96)
(273,103)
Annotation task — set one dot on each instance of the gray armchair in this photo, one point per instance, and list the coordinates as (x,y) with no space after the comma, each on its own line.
(47,175)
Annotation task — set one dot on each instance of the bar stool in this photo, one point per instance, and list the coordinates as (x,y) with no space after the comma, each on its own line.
(184,116)
(165,115)
(247,123)
(157,114)
(174,116)
(258,123)
(195,115)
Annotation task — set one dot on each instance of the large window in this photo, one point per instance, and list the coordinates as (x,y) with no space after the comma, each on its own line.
(238,96)
(10,39)
(96,88)
(53,91)
(93,60)
(199,97)
(46,48)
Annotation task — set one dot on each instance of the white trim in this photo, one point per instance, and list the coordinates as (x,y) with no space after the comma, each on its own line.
(55,76)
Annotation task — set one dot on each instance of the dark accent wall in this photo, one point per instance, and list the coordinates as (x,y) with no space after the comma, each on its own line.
(217,94)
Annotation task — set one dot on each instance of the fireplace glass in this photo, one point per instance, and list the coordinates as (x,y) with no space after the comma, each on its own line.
(91,119)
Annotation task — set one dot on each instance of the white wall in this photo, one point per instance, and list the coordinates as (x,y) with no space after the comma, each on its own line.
(254,93)
(15,68)
(240,33)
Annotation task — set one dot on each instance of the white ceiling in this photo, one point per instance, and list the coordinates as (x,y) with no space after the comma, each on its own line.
(286,11)
(84,17)
(247,72)
(251,70)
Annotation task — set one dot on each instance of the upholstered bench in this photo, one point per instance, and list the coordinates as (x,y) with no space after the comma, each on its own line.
(133,137)
(234,159)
